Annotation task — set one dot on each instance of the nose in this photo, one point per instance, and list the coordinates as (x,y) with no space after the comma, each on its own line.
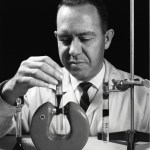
(75,47)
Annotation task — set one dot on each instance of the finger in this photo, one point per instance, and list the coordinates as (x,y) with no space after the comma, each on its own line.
(40,75)
(47,60)
(32,82)
(49,70)
(45,68)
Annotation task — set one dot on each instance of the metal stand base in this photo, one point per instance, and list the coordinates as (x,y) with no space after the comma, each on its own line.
(131,137)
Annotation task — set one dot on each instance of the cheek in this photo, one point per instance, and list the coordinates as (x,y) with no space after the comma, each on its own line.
(59,50)
(62,53)
(96,52)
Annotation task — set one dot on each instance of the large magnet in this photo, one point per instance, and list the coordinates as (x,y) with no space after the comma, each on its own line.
(44,139)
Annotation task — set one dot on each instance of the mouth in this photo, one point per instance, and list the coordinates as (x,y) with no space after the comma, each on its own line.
(76,64)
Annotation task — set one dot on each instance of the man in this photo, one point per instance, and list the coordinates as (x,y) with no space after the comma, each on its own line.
(83,36)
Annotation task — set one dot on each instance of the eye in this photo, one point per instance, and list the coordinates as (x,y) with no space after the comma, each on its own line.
(64,40)
(85,39)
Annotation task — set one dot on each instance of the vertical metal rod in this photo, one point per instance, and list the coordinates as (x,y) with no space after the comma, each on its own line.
(132,59)
(105,121)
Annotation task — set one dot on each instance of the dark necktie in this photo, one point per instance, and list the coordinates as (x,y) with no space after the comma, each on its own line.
(84,101)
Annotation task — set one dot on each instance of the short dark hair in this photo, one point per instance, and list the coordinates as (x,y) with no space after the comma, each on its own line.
(99,4)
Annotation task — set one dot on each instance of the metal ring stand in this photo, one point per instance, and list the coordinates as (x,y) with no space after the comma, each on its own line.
(131,136)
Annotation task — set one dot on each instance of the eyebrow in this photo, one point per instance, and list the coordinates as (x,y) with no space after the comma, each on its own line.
(88,33)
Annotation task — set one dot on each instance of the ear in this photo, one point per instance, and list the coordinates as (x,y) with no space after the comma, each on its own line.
(55,33)
(108,37)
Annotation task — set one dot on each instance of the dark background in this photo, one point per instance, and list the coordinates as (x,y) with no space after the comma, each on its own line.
(26,29)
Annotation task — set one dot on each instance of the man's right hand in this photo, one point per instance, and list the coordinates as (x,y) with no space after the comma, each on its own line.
(36,71)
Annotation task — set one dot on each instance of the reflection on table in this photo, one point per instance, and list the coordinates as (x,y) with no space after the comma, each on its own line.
(8,142)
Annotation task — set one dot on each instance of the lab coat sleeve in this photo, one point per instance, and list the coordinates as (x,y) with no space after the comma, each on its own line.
(6,117)
(7,112)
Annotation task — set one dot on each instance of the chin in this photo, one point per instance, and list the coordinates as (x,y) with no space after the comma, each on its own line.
(80,75)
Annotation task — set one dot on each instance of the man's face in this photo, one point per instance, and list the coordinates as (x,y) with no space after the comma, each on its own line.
(81,41)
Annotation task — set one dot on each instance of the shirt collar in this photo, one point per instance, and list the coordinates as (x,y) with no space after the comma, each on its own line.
(96,81)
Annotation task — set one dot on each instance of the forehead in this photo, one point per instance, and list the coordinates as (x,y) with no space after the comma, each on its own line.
(78,18)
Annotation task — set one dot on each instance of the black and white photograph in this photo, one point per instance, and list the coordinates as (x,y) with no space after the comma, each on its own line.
(75,75)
